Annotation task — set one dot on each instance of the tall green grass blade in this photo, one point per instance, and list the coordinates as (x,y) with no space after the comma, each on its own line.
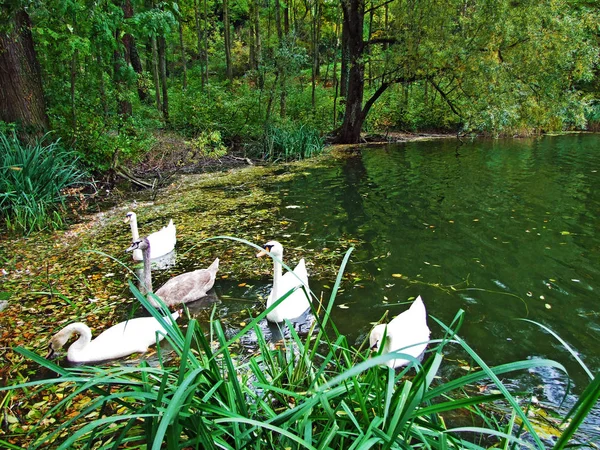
(565,345)
(586,402)
(499,385)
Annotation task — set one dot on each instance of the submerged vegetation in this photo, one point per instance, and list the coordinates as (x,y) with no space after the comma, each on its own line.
(33,179)
(312,391)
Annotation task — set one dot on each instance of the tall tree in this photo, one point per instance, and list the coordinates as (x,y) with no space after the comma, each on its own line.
(353,46)
(227,38)
(21,93)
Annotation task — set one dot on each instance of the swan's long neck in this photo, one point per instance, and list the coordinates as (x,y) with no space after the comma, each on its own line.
(84,332)
(147,270)
(276,281)
(135,235)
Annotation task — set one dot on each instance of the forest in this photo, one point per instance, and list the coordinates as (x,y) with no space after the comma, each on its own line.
(275,79)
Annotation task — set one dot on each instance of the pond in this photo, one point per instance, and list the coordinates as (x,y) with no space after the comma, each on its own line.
(502,229)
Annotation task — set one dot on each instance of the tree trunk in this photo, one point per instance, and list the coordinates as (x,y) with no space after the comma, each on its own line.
(131,54)
(21,93)
(155,71)
(315,50)
(345,63)
(258,45)
(162,57)
(101,85)
(205,41)
(281,66)
(199,53)
(124,107)
(74,62)
(183,61)
(227,38)
(354,14)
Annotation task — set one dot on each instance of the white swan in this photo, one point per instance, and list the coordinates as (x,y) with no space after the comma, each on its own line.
(162,241)
(184,288)
(297,302)
(403,332)
(122,339)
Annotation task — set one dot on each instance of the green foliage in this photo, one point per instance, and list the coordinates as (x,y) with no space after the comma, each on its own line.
(209,144)
(32,180)
(289,143)
(492,67)
(307,393)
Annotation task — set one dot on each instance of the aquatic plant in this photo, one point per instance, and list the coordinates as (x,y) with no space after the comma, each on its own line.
(315,392)
(288,144)
(32,180)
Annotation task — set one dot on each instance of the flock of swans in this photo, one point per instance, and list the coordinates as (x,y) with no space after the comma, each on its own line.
(407,334)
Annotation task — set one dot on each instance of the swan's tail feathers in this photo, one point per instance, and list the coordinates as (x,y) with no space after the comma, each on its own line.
(418,306)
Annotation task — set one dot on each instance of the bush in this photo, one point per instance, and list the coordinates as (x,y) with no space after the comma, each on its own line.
(32,179)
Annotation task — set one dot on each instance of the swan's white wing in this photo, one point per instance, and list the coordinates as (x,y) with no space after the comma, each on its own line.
(297,302)
(162,241)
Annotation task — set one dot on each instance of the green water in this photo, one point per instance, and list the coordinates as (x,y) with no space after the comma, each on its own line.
(511,225)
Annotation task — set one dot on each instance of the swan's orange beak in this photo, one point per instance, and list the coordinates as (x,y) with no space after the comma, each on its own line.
(126,219)
(262,253)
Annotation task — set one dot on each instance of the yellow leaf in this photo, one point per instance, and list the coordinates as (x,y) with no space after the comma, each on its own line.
(397,275)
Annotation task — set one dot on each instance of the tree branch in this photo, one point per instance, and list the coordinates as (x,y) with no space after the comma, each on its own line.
(445,97)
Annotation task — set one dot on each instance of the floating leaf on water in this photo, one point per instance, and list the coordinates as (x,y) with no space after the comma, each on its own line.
(397,275)
(548,306)
(475,220)
(389,285)
(293,206)
(529,294)
(241,284)
(542,297)
(343,306)
(565,233)
(575,280)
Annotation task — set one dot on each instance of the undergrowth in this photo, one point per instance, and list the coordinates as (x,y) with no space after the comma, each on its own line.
(32,180)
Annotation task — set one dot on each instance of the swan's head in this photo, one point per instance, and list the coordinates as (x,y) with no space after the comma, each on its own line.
(139,244)
(272,247)
(57,342)
(376,336)
(129,217)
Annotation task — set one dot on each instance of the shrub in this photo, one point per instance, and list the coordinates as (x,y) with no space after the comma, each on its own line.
(209,144)
(32,179)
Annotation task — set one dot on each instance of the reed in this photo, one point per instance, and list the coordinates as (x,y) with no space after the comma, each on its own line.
(315,393)
(288,144)
(32,180)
